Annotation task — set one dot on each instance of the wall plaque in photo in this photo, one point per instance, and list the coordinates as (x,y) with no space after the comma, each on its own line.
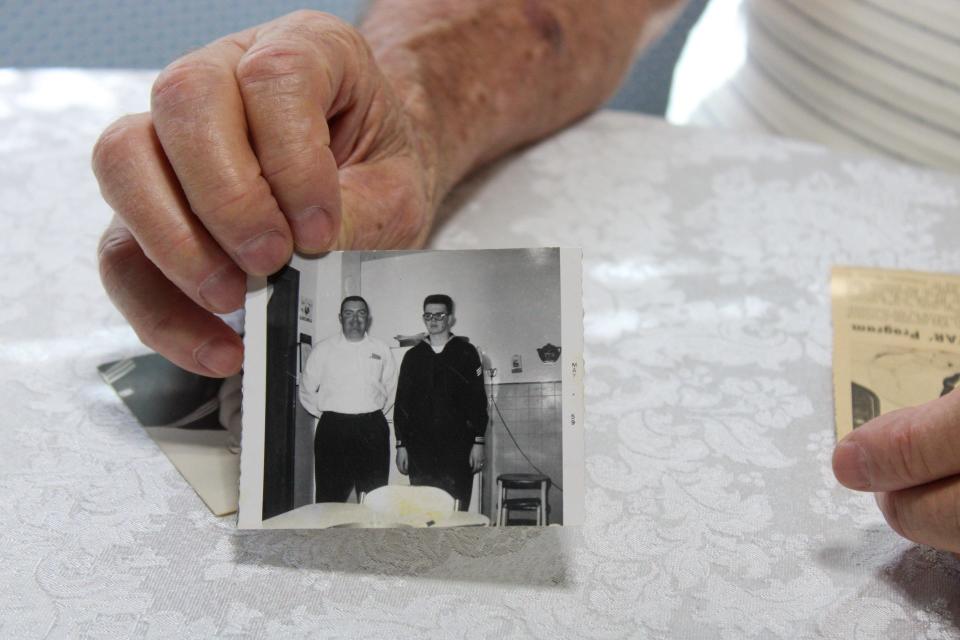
(400,403)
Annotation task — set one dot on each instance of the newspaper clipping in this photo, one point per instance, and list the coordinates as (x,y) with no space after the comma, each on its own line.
(896,341)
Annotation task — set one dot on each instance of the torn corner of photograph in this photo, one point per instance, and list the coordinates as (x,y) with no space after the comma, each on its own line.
(896,341)
(423,389)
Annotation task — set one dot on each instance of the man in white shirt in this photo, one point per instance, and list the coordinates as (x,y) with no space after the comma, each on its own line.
(349,382)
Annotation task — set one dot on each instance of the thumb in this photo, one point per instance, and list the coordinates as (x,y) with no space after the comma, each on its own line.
(903,448)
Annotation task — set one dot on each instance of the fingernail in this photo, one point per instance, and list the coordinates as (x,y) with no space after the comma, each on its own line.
(850,465)
(313,229)
(223,357)
(264,254)
(223,290)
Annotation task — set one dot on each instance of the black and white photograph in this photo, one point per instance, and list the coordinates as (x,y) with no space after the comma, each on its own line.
(414,389)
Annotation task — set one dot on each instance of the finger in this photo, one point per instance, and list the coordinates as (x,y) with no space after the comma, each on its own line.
(904,448)
(928,514)
(164,318)
(138,183)
(199,118)
(290,81)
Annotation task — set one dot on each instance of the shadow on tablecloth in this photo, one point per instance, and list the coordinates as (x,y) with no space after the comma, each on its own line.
(516,555)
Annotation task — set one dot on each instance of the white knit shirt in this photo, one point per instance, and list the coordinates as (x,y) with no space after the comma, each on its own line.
(876,76)
(348,377)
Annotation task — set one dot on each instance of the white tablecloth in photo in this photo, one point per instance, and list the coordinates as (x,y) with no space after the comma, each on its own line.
(711,508)
(337,514)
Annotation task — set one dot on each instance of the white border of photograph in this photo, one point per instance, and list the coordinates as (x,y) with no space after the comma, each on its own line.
(571,378)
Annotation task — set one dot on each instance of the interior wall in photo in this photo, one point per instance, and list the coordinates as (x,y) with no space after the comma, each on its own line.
(530,412)
(508,304)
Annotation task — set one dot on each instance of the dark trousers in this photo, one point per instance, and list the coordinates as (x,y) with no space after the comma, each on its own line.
(350,451)
(448,469)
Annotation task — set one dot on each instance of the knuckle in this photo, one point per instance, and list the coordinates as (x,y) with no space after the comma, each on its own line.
(298,161)
(187,80)
(116,248)
(233,196)
(908,463)
(348,43)
(116,145)
(346,35)
(235,40)
(288,63)
(176,244)
(326,29)
(317,20)
(151,331)
(121,260)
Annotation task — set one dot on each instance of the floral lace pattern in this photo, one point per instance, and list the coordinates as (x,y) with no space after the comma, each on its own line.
(711,508)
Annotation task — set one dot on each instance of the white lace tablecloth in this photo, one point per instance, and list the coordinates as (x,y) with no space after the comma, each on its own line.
(711,508)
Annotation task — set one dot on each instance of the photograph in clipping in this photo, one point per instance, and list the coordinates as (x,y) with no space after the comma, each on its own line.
(896,341)
(414,389)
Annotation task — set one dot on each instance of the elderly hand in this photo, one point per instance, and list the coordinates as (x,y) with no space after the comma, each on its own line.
(911,459)
(284,136)
(296,134)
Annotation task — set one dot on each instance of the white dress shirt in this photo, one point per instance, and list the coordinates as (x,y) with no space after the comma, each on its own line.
(348,377)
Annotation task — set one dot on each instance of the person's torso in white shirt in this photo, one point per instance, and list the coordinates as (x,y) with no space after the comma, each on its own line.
(349,377)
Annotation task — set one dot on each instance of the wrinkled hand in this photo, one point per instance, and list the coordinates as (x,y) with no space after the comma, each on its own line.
(285,135)
(402,460)
(911,459)
(478,457)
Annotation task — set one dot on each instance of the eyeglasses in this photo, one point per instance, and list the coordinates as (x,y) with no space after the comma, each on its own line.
(427,317)
(349,314)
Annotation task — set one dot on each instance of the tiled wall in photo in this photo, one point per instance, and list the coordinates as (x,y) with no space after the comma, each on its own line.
(531,412)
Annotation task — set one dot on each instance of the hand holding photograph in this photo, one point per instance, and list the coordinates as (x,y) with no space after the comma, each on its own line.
(422,389)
